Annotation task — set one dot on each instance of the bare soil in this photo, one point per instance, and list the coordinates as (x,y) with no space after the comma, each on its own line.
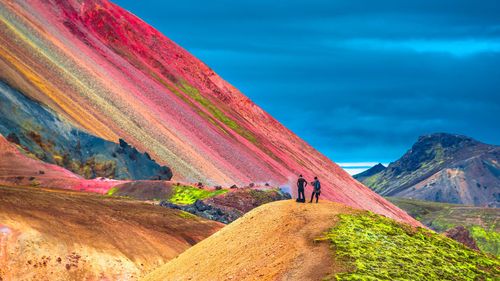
(66,235)
(275,241)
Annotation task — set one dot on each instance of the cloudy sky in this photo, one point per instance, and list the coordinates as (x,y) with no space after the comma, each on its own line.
(358,80)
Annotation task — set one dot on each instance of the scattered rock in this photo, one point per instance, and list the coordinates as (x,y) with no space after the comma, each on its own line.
(462,235)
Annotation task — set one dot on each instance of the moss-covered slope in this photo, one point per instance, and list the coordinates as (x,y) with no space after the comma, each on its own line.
(374,247)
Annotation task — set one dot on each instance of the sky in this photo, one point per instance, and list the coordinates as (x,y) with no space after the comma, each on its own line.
(358,80)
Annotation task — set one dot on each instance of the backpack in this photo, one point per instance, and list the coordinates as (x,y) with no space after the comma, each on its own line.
(317,186)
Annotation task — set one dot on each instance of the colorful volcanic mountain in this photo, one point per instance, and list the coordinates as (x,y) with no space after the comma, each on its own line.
(111,74)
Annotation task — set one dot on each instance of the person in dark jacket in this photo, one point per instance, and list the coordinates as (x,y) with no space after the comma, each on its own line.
(316,189)
(301,185)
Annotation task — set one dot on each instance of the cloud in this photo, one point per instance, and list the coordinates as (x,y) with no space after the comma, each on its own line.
(454,47)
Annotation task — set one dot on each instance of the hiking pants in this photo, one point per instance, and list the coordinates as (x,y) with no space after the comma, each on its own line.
(312,196)
(301,191)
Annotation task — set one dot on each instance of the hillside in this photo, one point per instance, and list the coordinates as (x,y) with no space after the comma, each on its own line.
(66,235)
(45,135)
(482,223)
(284,240)
(443,168)
(20,170)
(108,72)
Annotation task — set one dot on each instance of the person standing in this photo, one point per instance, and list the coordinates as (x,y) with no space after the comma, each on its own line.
(316,189)
(301,185)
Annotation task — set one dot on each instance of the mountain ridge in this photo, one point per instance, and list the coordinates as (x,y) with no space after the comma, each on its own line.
(444,168)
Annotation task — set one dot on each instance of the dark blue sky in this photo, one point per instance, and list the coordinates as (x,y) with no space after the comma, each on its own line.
(358,80)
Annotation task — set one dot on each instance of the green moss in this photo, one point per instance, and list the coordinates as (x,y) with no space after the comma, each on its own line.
(186,215)
(487,241)
(378,248)
(183,194)
(215,111)
(112,191)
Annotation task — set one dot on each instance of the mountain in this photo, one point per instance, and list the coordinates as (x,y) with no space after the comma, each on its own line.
(325,241)
(370,172)
(111,74)
(443,168)
(66,235)
(44,134)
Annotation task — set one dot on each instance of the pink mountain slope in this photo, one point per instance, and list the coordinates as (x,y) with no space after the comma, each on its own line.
(117,77)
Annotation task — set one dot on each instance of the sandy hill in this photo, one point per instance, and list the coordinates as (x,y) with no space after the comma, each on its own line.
(66,235)
(272,242)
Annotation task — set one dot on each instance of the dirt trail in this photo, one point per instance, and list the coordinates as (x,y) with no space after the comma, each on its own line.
(66,235)
(273,242)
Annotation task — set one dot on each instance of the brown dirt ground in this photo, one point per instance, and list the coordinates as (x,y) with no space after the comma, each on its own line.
(275,241)
(65,235)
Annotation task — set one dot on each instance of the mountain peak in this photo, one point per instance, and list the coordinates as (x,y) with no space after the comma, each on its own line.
(446,140)
(442,167)
(370,172)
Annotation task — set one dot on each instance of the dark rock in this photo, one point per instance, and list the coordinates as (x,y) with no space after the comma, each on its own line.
(462,235)
(12,137)
(234,186)
(123,143)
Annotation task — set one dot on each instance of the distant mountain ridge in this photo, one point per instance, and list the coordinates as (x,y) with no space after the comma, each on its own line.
(442,167)
(370,172)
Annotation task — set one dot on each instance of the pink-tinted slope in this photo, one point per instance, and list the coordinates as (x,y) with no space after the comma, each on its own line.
(18,169)
(116,76)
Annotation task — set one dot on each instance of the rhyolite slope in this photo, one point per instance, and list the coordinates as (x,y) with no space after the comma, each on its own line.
(51,138)
(112,74)
(443,167)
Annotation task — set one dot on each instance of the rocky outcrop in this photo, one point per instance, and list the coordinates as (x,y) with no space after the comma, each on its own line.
(44,134)
(228,207)
(462,235)
(443,168)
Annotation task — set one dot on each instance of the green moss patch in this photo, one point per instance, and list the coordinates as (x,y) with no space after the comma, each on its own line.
(188,195)
(487,240)
(215,111)
(112,191)
(378,248)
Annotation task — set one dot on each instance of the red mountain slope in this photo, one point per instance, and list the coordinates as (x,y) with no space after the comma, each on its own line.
(116,76)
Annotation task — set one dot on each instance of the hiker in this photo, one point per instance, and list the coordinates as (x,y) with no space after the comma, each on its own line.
(316,189)
(301,185)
